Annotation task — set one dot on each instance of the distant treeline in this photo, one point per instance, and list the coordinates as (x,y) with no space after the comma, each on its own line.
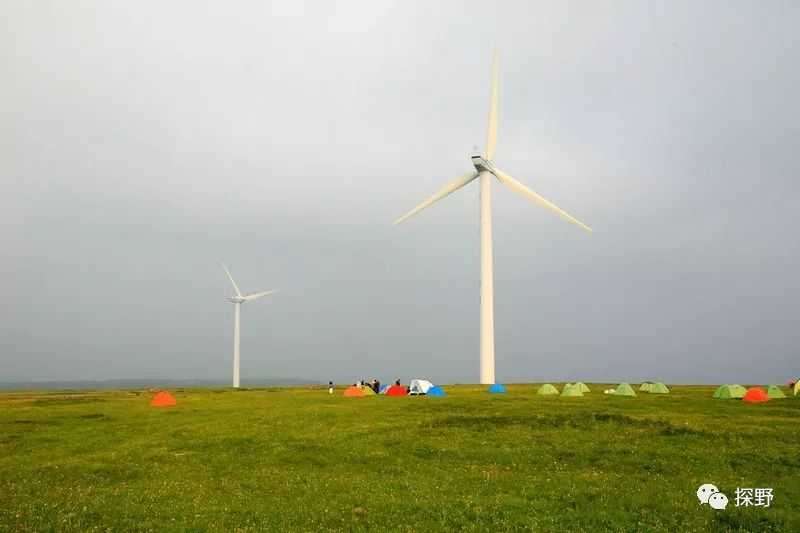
(145,383)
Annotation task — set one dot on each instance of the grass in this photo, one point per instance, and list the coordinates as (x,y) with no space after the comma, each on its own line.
(300,459)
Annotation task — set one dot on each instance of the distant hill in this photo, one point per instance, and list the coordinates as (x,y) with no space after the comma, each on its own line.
(146,383)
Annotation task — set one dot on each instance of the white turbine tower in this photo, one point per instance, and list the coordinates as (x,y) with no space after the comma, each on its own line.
(485,169)
(238,300)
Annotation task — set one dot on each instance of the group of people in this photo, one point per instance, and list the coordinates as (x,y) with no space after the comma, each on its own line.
(375,385)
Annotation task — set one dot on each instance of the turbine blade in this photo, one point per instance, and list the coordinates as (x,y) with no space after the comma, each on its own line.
(258,295)
(522,190)
(235,287)
(462,180)
(491,137)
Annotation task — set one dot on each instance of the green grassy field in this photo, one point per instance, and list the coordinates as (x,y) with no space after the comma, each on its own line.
(300,459)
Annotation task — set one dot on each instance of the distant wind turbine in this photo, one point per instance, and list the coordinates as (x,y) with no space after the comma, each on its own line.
(485,169)
(238,300)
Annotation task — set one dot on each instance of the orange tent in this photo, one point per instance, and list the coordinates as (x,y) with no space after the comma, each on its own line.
(755,395)
(353,392)
(396,390)
(163,399)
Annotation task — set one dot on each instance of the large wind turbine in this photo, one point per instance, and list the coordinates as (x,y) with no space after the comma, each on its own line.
(485,169)
(238,300)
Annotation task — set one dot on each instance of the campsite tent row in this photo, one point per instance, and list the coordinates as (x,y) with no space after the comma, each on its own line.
(624,389)
(570,389)
(417,387)
(753,395)
(423,387)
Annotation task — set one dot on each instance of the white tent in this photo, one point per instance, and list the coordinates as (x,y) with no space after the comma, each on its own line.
(419,386)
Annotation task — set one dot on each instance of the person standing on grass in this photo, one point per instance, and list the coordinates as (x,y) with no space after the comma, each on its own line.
(330,387)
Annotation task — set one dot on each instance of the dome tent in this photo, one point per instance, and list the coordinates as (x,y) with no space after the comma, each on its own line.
(645,386)
(419,386)
(739,390)
(163,399)
(497,388)
(571,390)
(353,392)
(624,389)
(384,388)
(367,390)
(581,387)
(774,392)
(396,390)
(658,388)
(547,389)
(436,390)
(727,392)
(755,395)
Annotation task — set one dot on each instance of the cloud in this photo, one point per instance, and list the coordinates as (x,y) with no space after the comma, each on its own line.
(142,143)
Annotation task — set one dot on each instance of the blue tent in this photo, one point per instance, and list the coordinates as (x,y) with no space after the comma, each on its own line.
(497,388)
(436,390)
(383,388)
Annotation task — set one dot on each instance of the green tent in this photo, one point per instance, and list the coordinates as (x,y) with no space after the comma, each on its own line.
(727,392)
(658,388)
(624,389)
(571,390)
(796,386)
(368,390)
(773,391)
(547,389)
(645,387)
(581,386)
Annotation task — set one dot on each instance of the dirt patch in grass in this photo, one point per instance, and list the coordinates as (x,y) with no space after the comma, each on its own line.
(93,416)
(33,422)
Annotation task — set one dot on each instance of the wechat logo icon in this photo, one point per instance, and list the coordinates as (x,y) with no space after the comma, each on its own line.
(711,495)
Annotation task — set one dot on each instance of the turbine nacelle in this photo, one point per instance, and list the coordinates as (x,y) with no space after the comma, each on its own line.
(481,163)
(236,299)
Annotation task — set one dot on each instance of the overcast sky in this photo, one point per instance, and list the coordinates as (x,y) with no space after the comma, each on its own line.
(143,142)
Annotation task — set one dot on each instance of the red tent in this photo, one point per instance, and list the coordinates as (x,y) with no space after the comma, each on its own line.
(755,395)
(396,390)
(163,399)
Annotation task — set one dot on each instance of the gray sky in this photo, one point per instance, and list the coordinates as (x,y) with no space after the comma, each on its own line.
(142,142)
